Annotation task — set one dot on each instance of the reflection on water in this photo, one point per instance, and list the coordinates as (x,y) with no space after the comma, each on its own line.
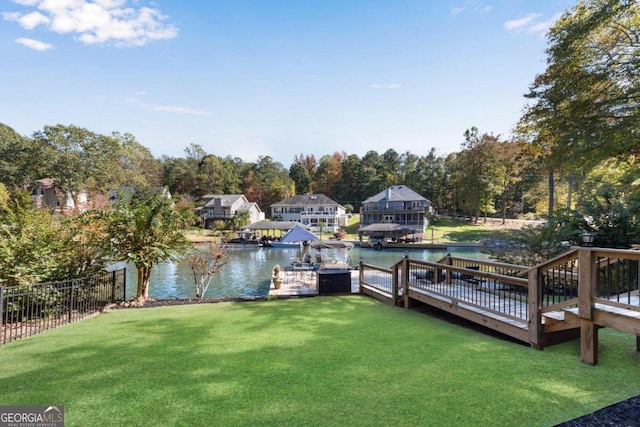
(248,270)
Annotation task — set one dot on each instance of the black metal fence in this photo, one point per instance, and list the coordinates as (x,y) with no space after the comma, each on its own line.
(31,309)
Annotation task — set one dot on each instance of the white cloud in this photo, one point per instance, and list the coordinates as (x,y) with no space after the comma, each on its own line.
(34,44)
(543,27)
(26,20)
(522,23)
(474,6)
(530,24)
(96,22)
(386,86)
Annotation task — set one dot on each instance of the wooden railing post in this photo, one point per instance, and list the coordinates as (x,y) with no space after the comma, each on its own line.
(405,281)
(586,286)
(394,283)
(360,276)
(535,309)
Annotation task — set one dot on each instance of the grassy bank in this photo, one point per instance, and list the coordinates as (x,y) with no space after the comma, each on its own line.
(315,361)
(458,230)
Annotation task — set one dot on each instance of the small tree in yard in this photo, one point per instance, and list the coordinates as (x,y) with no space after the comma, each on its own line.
(205,264)
(146,230)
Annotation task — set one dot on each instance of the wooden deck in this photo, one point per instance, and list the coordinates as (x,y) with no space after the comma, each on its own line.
(566,298)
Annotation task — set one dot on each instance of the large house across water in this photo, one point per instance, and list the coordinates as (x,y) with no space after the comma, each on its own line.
(312,210)
(223,207)
(395,212)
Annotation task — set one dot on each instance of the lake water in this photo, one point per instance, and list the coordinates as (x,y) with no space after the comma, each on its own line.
(248,270)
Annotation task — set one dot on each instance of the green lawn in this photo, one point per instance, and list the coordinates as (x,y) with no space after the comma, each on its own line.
(449,230)
(322,361)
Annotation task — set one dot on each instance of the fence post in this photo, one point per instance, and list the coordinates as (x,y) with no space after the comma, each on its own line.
(70,303)
(113,286)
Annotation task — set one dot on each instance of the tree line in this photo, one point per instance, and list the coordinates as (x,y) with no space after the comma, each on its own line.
(486,176)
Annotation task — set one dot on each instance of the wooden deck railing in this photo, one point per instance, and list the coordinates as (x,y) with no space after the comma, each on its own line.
(379,283)
(581,290)
(593,287)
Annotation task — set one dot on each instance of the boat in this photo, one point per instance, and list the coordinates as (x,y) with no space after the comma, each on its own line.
(339,248)
(265,243)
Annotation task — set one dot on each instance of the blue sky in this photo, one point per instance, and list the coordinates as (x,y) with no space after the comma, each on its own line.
(272,77)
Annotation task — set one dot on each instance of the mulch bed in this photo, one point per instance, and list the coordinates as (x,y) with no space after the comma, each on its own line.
(621,414)
(150,303)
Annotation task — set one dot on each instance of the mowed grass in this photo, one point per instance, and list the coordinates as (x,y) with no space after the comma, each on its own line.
(443,230)
(321,361)
(449,230)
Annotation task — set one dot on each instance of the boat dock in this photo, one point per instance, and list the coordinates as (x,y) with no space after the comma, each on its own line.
(305,283)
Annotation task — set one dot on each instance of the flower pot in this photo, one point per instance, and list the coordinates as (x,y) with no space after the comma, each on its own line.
(277,284)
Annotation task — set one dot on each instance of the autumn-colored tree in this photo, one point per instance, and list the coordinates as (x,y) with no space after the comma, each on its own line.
(329,174)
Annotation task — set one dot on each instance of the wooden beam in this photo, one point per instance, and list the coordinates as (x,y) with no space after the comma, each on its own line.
(535,310)
(588,342)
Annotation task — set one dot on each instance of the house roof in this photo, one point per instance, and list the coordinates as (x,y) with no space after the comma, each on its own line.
(248,205)
(45,182)
(225,199)
(396,193)
(307,200)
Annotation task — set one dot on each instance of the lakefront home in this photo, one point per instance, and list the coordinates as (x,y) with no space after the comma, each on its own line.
(46,193)
(223,207)
(393,213)
(311,210)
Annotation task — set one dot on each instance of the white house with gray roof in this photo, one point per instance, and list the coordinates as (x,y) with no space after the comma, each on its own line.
(398,205)
(223,207)
(311,210)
